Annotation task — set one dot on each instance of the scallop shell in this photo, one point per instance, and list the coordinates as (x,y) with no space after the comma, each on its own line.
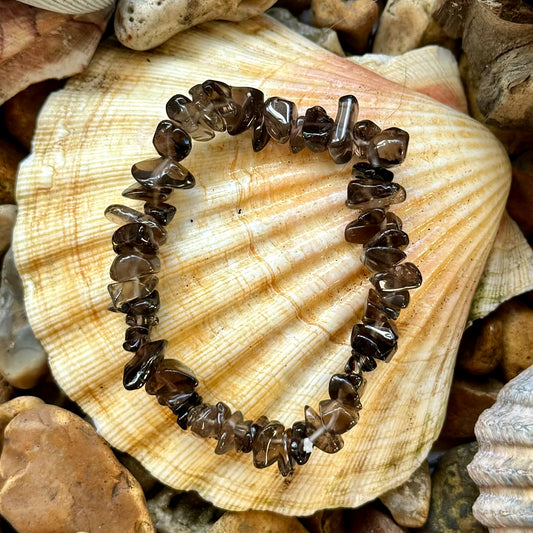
(503,466)
(70,7)
(259,289)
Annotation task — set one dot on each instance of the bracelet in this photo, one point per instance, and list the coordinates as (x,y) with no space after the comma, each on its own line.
(217,107)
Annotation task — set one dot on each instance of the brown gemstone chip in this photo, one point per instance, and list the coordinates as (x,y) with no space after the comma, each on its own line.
(226,435)
(382,258)
(171,141)
(363,194)
(366,171)
(360,362)
(123,292)
(135,336)
(205,98)
(379,342)
(298,434)
(120,214)
(388,148)
(280,115)
(365,227)
(206,420)
(260,136)
(376,311)
(363,132)
(398,278)
(143,364)
(268,444)
(296,140)
(337,416)
(346,388)
(163,213)
(135,237)
(162,172)
(317,129)
(318,434)
(134,265)
(189,117)
(341,144)
(147,305)
(249,109)
(148,194)
(390,238)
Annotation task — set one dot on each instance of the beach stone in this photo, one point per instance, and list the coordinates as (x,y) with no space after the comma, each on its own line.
(409,503)
(408,24)
(21,111)
(10,156)
(23,360)
(353,21)
(8,215)
(468,399)
(325,37)
(57,474)
(178,512)
(145,479)
(252,521)
(145,24)
(6,390)
(517,338)
(453,493)
(12,408)
(481,349)
(368,519)
(325,521)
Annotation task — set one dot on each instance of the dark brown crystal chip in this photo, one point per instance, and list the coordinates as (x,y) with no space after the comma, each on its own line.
(366,171)
(318,434)
(280,115)
(206,420)
(133,265)
(163,213)
(337,416)
(143,364)
(298,434)
(345,389)
(401,277)
(382,258)
(365,227)
(135,336)
(363,194)
(135,237)
(171,141)
(189,117)
(388,148)
(297,141)
(341,144)
(390,238)
(162,172)
(317,128)
(363,132)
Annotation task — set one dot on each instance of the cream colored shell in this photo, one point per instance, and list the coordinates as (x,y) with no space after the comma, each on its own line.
(503,466)
(259,289)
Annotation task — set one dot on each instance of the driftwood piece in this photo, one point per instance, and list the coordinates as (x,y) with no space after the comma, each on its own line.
(498,45)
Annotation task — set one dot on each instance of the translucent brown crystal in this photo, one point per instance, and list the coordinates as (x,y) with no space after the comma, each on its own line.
(226,435)
(204,97)
(260,136)
(135,237)
(298,434)
(388,148)
(189,117)
(390,238)
(365,226)
(360,362)
(135,336)
(272,444)
(147,305)
(346,388)
(376,311)
(123,292)
(120,214)
(280,115)
(341,144)
(366,171)
(317,129)
(337,416)
(318,434)
(363,132)
(148,194)
(143,364)
(163,213)
(171,141)
(382,258)
(398,278)
(379,342)
(249,109)
(134,265)
(206,420)
(162,172)
(364,194)
(296,140)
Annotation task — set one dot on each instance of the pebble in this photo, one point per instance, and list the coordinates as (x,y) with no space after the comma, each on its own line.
(325,37)
(368,519)
(57,474)
(10,156)
(21,111)
(517,337)
(8,215)
(12,408)
(257,521)
(353,21)
(145,24)
(6,390)
(453,494)
(481,348)
(23,360)
(468,399)
(408,24)
(178,512)
(409,503)
(325,521)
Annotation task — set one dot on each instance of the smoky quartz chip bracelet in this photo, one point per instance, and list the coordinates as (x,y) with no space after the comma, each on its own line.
(217,107)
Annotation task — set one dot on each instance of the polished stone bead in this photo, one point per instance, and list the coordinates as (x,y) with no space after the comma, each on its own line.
(390,238)
(272,444)
(123,292)
(379,342)
(398,278)
(364,194)
(382,258)
(318,434)
(206,419)
(122,213)
(172,383)
(397,299)
(184,408)
(346,388)
(296,140)
(388,148)
(363,132)
(317,129)
(260,136)
(243,436)
(286,461)
(365,226)
(147,305)
(376,311)
(135,237)
(162,172)
(298,434)
(204,97)
(143,364)
(148,194)
(337,416)
(341,144)
(135,336)
(366,171)
(392,221)
(171,141)
(226,435)
(189,117)
(360,362)
(280,115)
(133,265)
(249,109)
(142,320)
(163,213)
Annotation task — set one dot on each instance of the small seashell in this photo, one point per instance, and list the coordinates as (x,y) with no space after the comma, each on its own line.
(70,7)
(259,289)
(503,466)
